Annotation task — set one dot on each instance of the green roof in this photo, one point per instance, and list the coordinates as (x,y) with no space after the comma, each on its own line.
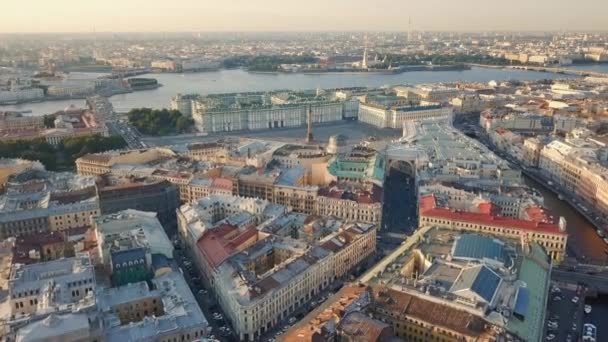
(535,273)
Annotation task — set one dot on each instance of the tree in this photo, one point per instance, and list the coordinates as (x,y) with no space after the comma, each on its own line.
(184,124)
(159,122)
(49,121)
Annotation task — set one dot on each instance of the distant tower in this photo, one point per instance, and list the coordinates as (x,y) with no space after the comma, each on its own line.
(409,29)
(309,136)
(364,61)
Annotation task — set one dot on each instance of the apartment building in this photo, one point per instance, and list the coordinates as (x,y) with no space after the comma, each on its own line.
(253,111)
(50,286)
(276,276)
(552,237)
(39,201)
(100,163)
(356,202)
(396,117)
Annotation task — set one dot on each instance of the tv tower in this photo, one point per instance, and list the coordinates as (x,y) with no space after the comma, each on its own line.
(409,29)
(309,136)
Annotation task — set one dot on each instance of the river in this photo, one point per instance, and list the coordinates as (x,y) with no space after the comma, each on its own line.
(238,80)
(582,238)
(603,67)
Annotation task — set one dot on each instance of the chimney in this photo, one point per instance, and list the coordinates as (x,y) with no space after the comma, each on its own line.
(309,136)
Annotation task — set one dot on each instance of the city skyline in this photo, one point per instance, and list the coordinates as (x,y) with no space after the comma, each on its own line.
(274,15)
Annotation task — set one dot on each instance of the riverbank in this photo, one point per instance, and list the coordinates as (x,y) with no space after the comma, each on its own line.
(392,71)
(238,80)
(573,70)
(583,242)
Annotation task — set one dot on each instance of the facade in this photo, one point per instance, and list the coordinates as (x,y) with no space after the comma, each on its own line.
(21,95)
(71,90)
(16,121)
(183,103)
(71,122)
(40,201)
(132,302)
(467,104)
(576,168)
(356,204)
(127,242)
(268,281)
(144,194)
(42,288)
(254,111)
(429,93)
(45,246)
(100,163)
(396,117)
(550,236)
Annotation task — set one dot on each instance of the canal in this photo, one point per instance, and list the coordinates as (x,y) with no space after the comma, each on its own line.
(582,238)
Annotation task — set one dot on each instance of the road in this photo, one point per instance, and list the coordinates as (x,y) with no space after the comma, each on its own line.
(353,130)
(568,315)
(127,132)
(400,209)
(206,300)
(593,279)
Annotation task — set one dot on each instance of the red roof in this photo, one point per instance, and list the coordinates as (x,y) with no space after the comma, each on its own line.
(493,220)
(427,202)
(428,208)
(222,183)
(488,208)
(539,214)
(220,243)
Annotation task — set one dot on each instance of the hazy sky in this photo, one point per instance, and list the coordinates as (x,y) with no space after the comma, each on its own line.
(302,15)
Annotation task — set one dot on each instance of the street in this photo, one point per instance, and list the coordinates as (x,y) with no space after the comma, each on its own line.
(399,212)
(129,133)
(564,319)
(220,326)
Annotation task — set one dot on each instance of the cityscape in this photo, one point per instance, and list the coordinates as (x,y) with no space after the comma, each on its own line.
(245,175)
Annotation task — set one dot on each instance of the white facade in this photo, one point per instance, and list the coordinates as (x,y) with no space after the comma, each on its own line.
(21,95)
(397,117)
(264,117)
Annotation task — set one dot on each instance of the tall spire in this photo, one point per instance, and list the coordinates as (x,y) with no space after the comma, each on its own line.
(309,136)
(409,29)
(364,61)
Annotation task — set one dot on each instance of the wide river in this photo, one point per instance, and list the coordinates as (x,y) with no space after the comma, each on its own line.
(239,81)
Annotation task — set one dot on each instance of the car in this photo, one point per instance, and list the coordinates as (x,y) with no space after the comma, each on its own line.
(557,298)
(574,326)
(575,299)
(292,320)
(552,326)
(552,322)
(569,338)
(550,337)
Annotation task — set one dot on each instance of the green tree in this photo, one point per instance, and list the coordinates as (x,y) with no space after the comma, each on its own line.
(159,122)
(49,121)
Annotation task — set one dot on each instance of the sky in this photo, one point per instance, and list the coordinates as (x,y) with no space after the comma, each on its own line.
(302,15)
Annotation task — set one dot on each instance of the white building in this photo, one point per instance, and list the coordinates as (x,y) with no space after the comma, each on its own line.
(396,117)
(254,111)
(52,286)
(20,95)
